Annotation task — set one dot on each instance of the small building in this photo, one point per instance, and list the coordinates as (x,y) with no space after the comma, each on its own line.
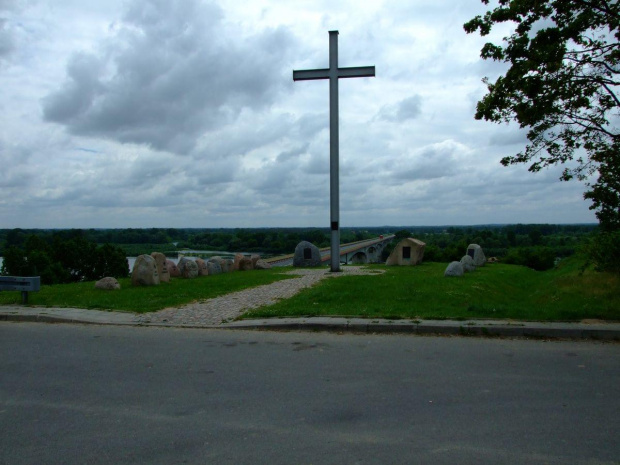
(407,252)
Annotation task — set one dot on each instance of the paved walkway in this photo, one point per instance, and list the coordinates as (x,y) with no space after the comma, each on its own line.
(228,307)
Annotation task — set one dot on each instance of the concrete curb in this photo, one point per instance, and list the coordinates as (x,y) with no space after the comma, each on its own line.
(480,328)
(490,328)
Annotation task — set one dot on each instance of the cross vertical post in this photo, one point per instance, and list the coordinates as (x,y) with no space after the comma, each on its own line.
(334,153)
(333,73)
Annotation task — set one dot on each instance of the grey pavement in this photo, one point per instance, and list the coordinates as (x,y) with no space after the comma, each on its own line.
(96,394)
(497,328)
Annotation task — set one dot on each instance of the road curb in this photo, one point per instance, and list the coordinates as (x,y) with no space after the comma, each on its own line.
(486,328)
(607,332)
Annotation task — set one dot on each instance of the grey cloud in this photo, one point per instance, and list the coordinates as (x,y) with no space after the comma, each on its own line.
(292,154)
(504,137)
(171,74)
(77,95)
(310,124)
(318,163)
(409,108)
(6,39)
(431,162)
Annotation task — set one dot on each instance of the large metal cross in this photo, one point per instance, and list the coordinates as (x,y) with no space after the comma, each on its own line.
(333,73)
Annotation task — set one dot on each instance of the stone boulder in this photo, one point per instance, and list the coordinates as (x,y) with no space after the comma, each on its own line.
(237,260)
(409,251)
(227,265)
(173,269)
(202,267)
(145,272)
(468,263)
(307,255)
(262,265)
(254,258)
(454,269)
(214,267)
(475,252)
(245,264)
(188,268)
(162,268)
(108,284)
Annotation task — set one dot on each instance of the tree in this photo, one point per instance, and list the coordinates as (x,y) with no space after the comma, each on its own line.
(562,85)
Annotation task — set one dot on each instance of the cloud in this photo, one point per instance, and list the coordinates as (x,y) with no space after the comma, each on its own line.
(434,161)
(170,73)
(406,109)
(6,39)
(184,114)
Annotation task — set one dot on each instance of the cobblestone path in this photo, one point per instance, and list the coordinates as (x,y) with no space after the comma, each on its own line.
(230,306)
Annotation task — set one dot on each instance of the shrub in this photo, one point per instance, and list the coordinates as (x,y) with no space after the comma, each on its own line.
(65,261)
(603,250)
(537,258)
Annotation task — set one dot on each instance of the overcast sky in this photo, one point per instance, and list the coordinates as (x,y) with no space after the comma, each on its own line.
(184,113)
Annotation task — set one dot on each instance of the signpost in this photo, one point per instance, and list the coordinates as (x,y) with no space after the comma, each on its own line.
(333,73)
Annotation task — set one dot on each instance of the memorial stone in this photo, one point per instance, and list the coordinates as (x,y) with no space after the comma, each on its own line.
(246,264)
(144,272)
(188,268)
(468,263)
(162,268)
(475,252)
(202,267)
(227,265)
(173,269)
(306,255)
(214,267)
(262,265)
(454,269)
(108,284)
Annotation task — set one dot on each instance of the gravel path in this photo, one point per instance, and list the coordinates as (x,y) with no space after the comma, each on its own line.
(230,306)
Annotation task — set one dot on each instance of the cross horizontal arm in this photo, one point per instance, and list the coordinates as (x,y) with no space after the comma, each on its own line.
(358,71)
(310,74)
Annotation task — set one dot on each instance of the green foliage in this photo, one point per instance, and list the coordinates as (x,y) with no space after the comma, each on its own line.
(603,250)
(537,258)
(64,260)
(562,85)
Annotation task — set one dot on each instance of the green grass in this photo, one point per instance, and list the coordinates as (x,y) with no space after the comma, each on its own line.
(493,291)
(144,299)
(421,292)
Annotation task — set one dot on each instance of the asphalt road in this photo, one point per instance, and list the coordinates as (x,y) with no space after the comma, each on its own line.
(100,394)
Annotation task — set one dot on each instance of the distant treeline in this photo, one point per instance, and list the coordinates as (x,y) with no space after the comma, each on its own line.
(269,241)
(534,245)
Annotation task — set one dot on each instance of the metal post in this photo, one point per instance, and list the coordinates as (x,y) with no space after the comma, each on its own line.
(334,146)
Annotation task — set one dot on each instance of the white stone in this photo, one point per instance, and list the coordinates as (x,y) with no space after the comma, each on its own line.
(468,263)
(454,269)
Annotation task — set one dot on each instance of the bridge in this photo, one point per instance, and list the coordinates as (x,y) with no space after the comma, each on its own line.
(353,253)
